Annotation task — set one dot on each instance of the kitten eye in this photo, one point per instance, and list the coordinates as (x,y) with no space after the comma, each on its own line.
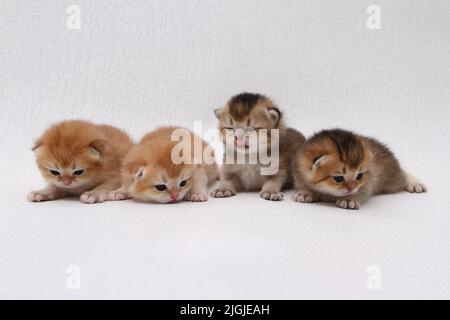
(359,176)
(229,128)
(183,183)
(78,172)
(338,179)
(160,187)
(54,172)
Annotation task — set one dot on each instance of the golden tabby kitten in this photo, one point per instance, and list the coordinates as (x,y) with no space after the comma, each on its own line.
(343,167)
(249,114)
(80,158)
(149,172)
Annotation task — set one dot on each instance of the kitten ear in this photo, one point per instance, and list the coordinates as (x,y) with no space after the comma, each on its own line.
(318,161)
(370,151)
(36,144)
(97,147)
(274,114)
(218,112)
(140,173)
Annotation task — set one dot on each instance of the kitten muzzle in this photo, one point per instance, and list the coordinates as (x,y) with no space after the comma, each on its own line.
(67,181)
(350,187)
(174,196)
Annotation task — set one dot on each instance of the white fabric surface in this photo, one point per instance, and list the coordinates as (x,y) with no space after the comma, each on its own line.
(141,64)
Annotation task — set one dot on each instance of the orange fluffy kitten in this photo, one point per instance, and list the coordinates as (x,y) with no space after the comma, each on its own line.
(150,174)
(342,167)
(80,158)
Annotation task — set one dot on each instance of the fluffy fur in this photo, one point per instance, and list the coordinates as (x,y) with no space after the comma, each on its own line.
(80,158)
(342,167)
(253,112)
(149,174)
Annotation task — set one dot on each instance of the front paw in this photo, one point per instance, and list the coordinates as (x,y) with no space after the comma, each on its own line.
(222,193)
(196,197)
(118,195)
(90,197)
(304,197)
(348,204)
(271,195)
(39,196)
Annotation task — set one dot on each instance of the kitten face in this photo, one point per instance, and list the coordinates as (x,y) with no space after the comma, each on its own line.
(69,154)
(149,173)
(79,171)
(336,163)
(157,184)
(244,116)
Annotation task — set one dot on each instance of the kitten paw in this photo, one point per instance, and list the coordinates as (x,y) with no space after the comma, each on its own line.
(36,196)
(416,188)
(271,195)
(222,193)
(196,197)
(347,204)
(118,196)
(90,197)
(304,198)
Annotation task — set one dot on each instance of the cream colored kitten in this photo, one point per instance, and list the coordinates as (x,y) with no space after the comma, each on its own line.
(245,116)
(149,172)
(80,158)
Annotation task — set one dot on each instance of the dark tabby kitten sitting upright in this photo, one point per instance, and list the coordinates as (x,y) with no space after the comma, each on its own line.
(249,115)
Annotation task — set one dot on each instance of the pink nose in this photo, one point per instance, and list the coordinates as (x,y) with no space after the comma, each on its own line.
(350,187)
(66,180)
(174,195)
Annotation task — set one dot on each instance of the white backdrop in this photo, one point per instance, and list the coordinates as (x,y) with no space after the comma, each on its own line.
(140,64)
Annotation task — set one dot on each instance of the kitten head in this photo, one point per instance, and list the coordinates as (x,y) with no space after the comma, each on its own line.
(69,154)
(335,162)
(244,116)
(149,174)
